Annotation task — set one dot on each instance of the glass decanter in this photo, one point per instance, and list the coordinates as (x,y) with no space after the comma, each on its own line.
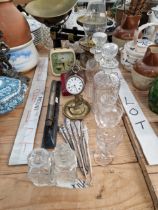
(107,110)
(108,113)
(98,38)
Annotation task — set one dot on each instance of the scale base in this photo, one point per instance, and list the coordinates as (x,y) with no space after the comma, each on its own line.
(74,112)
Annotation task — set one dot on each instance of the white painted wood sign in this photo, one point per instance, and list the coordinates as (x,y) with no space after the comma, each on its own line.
(24,140)
(146,136)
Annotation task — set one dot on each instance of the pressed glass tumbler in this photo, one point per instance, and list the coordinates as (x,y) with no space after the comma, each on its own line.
(39,164)
(65,164)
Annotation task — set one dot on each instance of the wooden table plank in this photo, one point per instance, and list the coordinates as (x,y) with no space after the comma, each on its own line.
(150,172)
(119,187)
(154,180)
(124,153)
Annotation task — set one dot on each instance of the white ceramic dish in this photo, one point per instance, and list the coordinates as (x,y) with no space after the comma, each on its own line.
(135,49)
(23,58)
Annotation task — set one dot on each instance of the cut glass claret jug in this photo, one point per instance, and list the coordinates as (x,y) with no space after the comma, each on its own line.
(99,38)
(106,89)
(107,110)
(108,113)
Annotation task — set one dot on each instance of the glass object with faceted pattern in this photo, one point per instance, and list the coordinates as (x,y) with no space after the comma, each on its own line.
(95,18)
(39,163)
(107,140)
(65,165)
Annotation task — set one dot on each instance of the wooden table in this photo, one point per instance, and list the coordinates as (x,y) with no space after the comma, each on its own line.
(119,186)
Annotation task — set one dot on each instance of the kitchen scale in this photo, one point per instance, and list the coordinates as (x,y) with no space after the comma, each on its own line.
(54,13)
(77,108)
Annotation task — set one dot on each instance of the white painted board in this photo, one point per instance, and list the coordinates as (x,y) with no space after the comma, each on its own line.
(24,140)
(146,136)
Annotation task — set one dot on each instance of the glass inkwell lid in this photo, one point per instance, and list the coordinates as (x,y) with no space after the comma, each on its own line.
(108,60)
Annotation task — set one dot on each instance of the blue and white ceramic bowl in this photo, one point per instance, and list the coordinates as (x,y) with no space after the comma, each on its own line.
(11,94)
(24,57)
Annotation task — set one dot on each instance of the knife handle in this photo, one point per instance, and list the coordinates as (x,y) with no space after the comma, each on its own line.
(50,109)
(51,123)
(56,113)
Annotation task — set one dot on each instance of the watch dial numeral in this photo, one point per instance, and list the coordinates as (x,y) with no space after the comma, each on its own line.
(75,85)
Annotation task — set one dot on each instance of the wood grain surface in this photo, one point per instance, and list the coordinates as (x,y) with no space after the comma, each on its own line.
(114,187)
(128,183)
(150,172)
(119,186)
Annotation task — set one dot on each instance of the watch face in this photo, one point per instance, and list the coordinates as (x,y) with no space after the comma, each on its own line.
(75,84)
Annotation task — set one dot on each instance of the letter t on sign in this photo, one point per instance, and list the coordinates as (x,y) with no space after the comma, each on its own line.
(141,123)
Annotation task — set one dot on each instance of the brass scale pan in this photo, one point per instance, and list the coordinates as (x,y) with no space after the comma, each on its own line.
(50,12)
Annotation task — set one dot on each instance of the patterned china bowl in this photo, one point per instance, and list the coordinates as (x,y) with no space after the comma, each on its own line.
(11,94)
(131,53)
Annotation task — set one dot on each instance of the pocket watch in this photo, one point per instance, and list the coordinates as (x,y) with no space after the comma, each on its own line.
(75,84)
(76,108)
